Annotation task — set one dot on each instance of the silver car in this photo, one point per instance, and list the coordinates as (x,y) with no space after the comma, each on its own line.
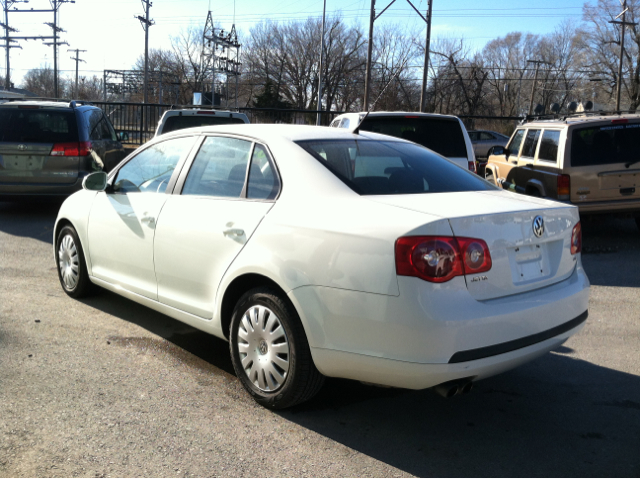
(482,140)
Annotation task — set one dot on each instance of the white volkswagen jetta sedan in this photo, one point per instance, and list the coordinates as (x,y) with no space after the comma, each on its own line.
(322,252)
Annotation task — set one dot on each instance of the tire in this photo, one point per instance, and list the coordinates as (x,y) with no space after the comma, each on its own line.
(270,352)
(71,266)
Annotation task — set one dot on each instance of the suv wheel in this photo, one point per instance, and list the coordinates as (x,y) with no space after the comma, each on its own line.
(270,352)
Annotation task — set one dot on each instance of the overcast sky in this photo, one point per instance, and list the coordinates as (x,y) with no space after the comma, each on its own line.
(114,39)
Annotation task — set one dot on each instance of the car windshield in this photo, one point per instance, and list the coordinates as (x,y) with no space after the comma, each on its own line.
(191,121)
(37,125)
(372,167)
(442,135)
(603,145)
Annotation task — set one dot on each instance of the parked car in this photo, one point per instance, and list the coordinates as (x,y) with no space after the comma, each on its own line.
(591,161)
(173,120)
(444,134)
(483,140)
(46,147)
(321,252)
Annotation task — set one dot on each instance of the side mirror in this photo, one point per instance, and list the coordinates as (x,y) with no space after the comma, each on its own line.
(95,181)
(498,150)
(122,136)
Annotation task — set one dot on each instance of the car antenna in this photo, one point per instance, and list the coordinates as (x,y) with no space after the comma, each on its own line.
(356,130)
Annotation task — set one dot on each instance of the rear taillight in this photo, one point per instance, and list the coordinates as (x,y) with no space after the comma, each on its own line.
(576,239)
(472,166)
(440,258)
(71,149)
(564,187)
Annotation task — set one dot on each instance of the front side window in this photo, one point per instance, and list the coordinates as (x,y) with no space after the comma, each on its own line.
(219,169)
(372,167)
(151,170)
(530,143)
(516,141)
(549,145)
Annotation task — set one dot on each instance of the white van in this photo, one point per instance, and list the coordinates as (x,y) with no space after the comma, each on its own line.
(444,134)
(190,118)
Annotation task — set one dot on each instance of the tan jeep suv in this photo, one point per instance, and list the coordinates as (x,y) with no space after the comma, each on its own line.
(590,161)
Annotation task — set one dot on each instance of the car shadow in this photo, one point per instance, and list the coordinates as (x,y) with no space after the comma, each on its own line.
(611,250)
(30,217)
(556,416)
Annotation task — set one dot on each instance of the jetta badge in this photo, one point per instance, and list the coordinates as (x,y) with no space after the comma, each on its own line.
(22,147)
(538,226)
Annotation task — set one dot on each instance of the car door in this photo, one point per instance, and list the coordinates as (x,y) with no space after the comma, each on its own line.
(210,217)
(123,218)
(500,166)
(524,162)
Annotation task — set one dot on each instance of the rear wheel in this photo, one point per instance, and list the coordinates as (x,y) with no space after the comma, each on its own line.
(270,352)
(72,269)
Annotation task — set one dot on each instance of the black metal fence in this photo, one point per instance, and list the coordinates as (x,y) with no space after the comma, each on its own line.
(140,120)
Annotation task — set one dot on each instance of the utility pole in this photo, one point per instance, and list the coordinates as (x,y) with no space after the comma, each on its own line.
(146,23)
(55,5)
(7,30)
(535,81)
(372,18)
(319,105)
(623,25)
(77,59)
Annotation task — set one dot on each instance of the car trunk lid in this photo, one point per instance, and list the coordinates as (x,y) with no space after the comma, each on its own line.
(33,163)
(521,260)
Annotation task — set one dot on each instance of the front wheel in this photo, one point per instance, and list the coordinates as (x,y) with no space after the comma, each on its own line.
(72,269)
(270,352)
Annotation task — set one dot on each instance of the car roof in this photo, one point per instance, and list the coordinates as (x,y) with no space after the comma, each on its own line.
(195,111)
(267,132)
(399,113)
(579,120)
(47,104)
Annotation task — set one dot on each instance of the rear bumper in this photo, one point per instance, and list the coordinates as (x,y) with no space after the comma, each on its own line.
(401,374)
(39,189)
(436,333)
(613,206)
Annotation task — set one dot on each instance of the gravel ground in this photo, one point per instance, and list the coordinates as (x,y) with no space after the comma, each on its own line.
(104,387)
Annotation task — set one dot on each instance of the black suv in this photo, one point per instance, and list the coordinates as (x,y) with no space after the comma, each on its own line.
(46,147)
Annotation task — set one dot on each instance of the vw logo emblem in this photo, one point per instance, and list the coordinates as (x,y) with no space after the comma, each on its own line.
(538,226)
(22,147)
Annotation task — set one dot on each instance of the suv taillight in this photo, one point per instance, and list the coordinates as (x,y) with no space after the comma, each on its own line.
(472,166)
(440,258)
(564,187)
(71,149)
(576,239)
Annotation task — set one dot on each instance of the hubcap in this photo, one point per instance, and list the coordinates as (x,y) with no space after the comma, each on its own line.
(264,348)
(68,262)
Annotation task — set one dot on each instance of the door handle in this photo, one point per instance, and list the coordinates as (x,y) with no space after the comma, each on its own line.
(148,219)
(237,232)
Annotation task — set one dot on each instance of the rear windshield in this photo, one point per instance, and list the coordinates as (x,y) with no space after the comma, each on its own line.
(442,135)
(180,122)
(22,125)
(603,145)
(372,167)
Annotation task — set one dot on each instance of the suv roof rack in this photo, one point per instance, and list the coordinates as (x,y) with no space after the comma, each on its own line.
(566,116)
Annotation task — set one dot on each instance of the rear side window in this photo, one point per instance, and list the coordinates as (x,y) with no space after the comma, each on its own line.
(603,145)
(530,143)
(442,135)
(37,126)
(391,168)
(263,182)
(191,121)
(549,145)
(219,169)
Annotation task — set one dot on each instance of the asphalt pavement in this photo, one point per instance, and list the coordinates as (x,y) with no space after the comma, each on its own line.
(105,387)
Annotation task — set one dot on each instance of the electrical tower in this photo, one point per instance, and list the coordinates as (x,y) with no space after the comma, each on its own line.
(220,55)
(77,59)
(121,82)
(146,23)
